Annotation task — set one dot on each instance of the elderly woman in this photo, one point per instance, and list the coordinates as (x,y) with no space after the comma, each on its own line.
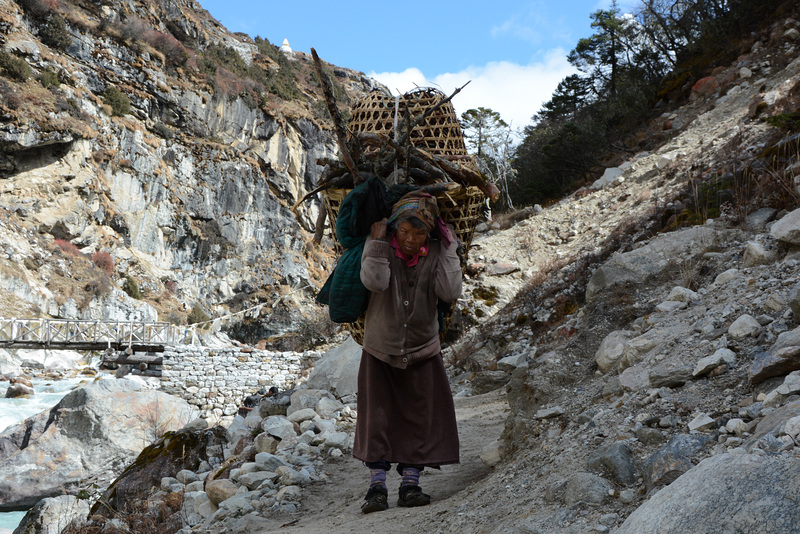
(405,408)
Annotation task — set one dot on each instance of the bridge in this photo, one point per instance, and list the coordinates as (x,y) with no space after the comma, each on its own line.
(71,334)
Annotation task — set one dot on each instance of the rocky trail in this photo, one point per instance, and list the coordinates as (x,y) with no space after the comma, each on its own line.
(334,506)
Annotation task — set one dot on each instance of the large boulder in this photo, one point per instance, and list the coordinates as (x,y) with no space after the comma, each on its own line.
(9,366)
(725,493)
(88,437)
(337,370)
(50,359)
(787,229)
(652,259)
(176,454)
(53,515)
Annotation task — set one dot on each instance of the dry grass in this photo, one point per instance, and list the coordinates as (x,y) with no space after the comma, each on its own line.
(155,515)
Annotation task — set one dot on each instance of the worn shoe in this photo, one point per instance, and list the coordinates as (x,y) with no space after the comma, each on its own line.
(412,496)
(377,499)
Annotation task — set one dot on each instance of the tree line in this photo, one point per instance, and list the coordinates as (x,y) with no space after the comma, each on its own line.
(632,66)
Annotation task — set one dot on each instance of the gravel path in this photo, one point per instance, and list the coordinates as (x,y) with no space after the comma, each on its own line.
(334,507)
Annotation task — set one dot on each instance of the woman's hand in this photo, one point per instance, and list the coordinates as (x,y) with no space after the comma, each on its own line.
(378,229)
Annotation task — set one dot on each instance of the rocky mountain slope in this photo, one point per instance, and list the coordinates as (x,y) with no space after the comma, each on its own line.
(141,152)
(643,369)
(627,372)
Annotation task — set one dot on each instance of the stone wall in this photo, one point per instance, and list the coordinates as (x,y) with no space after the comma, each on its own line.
(217,380)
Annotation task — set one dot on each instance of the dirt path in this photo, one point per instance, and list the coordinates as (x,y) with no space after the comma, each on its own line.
(334,507)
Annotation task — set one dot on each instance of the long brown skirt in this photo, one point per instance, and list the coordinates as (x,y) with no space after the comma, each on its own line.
(405,415)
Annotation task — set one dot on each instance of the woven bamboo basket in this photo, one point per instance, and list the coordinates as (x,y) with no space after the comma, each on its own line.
(460,208)
(440,133)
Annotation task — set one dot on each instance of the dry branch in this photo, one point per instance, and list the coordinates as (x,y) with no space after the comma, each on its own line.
(338,120)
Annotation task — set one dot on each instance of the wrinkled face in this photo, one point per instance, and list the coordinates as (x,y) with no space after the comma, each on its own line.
(410,238)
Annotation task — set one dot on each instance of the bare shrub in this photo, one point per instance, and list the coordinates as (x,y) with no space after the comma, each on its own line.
(174,52)
(104,261)
(69,248)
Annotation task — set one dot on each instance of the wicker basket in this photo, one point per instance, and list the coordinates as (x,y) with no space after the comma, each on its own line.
(461,208)
(440,134)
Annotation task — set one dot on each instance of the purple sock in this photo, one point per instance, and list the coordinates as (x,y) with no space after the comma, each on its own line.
(377,477)
(410,476)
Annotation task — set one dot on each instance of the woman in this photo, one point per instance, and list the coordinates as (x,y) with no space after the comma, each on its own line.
(405,408)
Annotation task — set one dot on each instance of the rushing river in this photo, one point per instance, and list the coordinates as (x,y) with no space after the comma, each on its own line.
(12,411)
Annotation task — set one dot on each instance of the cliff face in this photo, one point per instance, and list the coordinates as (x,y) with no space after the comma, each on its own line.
(188,190)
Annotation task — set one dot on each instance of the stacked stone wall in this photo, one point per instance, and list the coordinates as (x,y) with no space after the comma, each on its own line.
(217,380)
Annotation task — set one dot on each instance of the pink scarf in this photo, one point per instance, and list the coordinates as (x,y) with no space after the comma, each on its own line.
(410,260)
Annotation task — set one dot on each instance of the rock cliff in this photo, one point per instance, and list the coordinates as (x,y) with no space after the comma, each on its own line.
(145,148)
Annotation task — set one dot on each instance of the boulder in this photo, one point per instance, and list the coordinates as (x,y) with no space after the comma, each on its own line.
(168,463)
(337,370)
(53,515)
(306,398)
(50,359)
(774,363)
(725,493)
(640,264)
(88,437)
(18,390)
(743,327)
(787,229)
(617,459)
(220,490)
(588,489)
(9,366)
(613,349)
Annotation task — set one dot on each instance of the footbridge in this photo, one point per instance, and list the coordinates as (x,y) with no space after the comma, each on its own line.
(71,334)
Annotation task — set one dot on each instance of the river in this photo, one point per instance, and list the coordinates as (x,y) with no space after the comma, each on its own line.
(12,411)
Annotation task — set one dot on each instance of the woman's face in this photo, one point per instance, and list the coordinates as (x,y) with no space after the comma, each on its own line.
(410,238)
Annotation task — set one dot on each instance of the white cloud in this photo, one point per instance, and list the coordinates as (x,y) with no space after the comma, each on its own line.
(527,25)
(517,92)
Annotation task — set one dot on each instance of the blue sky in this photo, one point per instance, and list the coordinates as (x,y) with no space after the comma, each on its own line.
(513,53)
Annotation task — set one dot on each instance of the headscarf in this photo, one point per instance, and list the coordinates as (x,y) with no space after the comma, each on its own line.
(416,204)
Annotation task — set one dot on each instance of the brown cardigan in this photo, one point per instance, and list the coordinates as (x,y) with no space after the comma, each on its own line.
(401,325)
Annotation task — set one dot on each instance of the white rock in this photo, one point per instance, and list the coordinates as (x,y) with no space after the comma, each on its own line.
(726,276)
(491,453)
(326,407)
(682,294)
(611,350)
(736,426)
(635,378)
(336,440)
(669,306)
(279,426)
(743,327)
(701,423)
(510,363)
(547,413)
(787,229)
(304,414)
(709,363)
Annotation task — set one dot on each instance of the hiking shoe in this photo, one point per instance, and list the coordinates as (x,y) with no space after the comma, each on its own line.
(412,496)
(376,499)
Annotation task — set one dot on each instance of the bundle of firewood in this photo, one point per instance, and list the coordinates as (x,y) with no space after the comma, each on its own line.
(402,152)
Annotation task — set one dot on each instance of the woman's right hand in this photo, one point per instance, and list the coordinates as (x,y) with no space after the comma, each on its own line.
(378,229)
